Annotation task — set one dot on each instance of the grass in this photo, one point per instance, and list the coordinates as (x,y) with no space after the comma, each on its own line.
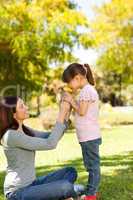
(115,115)
(109,116)
(116,162)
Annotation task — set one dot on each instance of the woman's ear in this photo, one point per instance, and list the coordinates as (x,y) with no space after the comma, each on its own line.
(14,115)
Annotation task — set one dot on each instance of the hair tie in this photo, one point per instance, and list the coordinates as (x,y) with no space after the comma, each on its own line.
(85,68)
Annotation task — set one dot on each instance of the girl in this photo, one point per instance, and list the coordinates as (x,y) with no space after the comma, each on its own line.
(79,76)
(20,143)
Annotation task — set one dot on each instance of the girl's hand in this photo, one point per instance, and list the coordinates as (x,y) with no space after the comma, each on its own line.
(67,97)
(64,106)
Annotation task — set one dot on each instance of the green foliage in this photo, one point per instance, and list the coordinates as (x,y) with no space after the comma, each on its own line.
(115,29)
(111,32)
(35,34)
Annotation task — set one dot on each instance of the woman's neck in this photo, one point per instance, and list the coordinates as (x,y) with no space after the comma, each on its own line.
(20,128)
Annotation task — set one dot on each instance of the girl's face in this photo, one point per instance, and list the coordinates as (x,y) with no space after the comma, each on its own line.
(21,111)
(75,83)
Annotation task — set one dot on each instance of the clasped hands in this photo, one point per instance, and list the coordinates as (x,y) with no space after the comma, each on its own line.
(66,104)
(67,100)
(67,97)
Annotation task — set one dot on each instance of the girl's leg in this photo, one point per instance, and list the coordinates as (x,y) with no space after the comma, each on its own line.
(90,151)
(57,190)
(68,173)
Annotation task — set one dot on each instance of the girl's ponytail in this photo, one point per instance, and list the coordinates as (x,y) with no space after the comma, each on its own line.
(89,74)
(74,69)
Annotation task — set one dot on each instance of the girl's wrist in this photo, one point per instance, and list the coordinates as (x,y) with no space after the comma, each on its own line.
(66,101)
(74,104)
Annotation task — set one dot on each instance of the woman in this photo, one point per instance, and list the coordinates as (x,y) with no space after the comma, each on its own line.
(20,143)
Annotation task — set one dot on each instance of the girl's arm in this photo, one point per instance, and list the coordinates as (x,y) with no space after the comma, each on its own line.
(80,108)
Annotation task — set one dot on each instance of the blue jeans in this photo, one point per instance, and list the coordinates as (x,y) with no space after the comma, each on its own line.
(55,186)
(90,152)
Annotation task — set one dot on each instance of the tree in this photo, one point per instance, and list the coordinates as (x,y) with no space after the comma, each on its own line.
(35,34)
(112,33)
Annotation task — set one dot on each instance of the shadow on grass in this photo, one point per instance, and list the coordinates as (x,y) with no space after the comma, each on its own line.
(117,176)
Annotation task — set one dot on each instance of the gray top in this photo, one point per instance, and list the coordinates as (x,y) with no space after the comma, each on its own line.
(19,150)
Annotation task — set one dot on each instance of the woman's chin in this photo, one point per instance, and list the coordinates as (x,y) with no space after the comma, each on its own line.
(27,116)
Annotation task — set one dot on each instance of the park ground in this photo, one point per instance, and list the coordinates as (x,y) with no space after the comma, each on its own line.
(116,157)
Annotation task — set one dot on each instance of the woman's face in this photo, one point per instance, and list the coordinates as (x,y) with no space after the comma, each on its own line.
(21,111)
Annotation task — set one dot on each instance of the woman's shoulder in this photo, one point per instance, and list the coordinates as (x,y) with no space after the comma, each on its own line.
(10,133)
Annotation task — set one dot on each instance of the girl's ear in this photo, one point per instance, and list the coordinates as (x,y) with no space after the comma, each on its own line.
(77,77)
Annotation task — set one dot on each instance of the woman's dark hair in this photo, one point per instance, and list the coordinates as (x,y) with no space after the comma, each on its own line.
(74,69)
(7,120)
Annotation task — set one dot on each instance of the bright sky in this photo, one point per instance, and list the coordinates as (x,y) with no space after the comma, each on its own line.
(90,55)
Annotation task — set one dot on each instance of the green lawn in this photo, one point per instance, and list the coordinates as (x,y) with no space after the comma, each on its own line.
(116,162)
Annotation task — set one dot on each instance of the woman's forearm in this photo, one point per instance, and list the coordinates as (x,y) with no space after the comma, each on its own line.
(64,112)
(24,141)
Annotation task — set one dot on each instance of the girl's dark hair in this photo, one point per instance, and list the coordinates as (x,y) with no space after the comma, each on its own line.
(7,120)
(74,69)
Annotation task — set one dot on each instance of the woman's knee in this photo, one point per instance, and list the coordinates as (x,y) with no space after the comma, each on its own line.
(67,188)
(73,172)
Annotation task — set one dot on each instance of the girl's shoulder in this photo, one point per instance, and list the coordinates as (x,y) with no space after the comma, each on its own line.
(88,88)
(89,92)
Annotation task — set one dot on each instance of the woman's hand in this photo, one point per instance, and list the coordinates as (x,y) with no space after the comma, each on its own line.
(64,111)
(67,97)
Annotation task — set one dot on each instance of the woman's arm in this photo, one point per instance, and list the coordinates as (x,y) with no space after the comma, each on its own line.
(21,140)
(46,134)
(39,134)
(18,139)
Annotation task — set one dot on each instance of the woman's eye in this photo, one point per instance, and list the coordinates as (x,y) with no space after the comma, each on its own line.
(21,106)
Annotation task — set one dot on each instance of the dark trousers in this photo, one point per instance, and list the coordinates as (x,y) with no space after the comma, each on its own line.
(90,152)
(55,186)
